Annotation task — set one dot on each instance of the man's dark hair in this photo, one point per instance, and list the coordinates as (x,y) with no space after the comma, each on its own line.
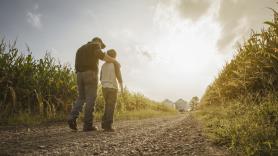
(112,53)
(99,40)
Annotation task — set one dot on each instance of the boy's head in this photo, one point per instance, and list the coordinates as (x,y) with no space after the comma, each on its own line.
(112,53)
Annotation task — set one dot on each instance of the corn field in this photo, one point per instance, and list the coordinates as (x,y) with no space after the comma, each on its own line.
(241,103)
(37,87)
(254,69)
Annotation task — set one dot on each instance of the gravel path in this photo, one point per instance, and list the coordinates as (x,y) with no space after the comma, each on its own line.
(174,135)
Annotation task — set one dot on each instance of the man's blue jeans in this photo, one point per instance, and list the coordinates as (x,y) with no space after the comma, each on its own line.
(87,83)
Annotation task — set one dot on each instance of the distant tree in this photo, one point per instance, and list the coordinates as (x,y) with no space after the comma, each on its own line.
(194,102)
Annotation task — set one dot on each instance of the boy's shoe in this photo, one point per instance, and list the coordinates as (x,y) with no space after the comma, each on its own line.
(72,124)
(90,128)
(103,126)
(109,130)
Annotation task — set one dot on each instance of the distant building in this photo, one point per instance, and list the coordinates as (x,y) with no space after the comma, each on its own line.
(169,103)
(182,105)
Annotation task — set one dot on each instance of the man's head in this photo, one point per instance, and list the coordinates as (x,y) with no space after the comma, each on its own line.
(99,41)
(112,53)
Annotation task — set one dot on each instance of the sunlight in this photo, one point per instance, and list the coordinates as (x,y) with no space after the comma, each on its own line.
(187,42)
(186,51)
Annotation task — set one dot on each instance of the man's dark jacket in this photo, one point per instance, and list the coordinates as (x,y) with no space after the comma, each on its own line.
(87,57)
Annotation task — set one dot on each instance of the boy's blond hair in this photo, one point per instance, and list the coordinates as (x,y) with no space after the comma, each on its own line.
(112,53)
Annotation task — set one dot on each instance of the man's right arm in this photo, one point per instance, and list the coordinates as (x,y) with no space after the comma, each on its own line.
(109,59)
(103,56)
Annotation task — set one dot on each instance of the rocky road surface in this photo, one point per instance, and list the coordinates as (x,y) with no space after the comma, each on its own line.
(170,135)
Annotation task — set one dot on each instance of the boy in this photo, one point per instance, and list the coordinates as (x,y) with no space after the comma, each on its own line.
(109,76)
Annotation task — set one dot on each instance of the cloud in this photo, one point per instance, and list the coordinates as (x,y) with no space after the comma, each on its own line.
(36,6)
(238,17)
(90,14)
(34,19)
(193,9)
(143,51)
(235,17)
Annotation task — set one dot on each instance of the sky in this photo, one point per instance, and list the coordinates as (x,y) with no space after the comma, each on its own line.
(167,48)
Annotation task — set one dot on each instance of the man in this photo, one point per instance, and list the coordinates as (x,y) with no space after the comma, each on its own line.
(86,66)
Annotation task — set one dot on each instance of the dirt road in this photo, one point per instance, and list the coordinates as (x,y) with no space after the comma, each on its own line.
(175,135)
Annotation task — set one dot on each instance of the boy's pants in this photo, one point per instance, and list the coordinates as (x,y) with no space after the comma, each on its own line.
(110,98)
(87,92)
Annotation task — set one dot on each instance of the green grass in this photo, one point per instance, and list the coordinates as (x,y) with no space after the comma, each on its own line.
(143,114)
(245,127)
(25,119)
(134,115)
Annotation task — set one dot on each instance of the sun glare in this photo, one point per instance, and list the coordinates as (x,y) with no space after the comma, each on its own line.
(187,52)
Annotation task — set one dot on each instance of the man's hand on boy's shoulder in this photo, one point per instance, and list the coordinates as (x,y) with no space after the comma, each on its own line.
(117,64)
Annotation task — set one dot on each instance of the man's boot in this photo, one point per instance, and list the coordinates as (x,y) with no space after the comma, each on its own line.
(108,129)
(87,128)
(72,124)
